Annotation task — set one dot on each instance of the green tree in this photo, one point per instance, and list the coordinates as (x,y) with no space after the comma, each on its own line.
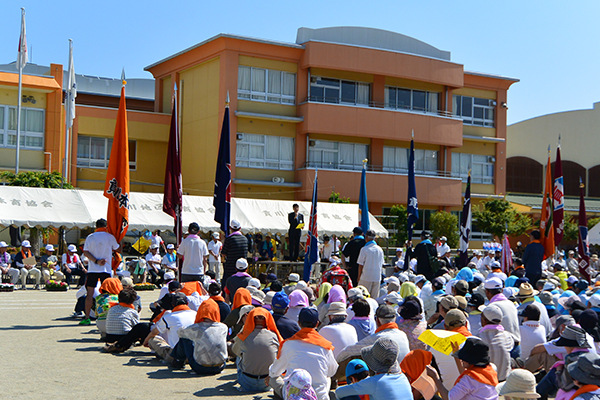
(399,211)
(52,180)
(593,222)
(334,197)
(571,229)
(445,224)
(497,216)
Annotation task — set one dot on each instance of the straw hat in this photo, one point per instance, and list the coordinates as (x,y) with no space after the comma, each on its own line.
(520,383)
(526,290)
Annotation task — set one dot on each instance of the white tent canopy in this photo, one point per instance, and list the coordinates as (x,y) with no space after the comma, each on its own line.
(594,235)
(24,206)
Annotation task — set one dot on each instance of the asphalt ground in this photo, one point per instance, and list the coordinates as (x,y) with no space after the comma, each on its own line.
(45,354)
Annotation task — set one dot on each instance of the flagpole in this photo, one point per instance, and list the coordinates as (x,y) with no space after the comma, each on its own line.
(68,117)
(21,43)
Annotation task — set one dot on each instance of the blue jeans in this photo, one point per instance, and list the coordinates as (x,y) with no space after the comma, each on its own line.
(249,384)
(547,386)
(185,349)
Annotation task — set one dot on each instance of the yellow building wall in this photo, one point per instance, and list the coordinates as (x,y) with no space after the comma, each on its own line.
(264,127)
(167,89)
(349,75)
(473,147)
(478,131)
(263,174)
(28,159)
(264,192)
(398,143)
(105,127)
(262,107)
(200,127)
(483,94)
(339,138)
(8,96)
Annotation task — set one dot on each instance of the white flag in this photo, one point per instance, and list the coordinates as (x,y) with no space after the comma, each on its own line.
(71,89)
(22,57)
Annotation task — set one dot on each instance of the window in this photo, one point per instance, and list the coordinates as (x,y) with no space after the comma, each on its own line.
(482,167)
(94,152)
(412,100)
(474,111)
(32,127)
(336,155)
(395,159)
(337,91)
(264,151)
(259,84)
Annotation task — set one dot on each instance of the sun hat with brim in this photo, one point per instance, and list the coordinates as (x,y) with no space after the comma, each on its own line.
(393,298)
(572,336)
(337,309)
(560,321)
(519,384)
(455,318)
(382,356)
(547,299)
(243,311)
(269,297)
(385,311)
(586,370)
(526,290)
(475,352)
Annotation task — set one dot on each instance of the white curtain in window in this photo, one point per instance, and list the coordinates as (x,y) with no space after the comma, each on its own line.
(289,84)
(465,164)
(272,147)
(83,147)
(35,121)
(346,153)
(402,158)
(287,149)
(362,93)
(274,82)
(12,119)
(389,156)
(431,160)
(243,78)
(360,153)
(1,118)
(258,80)
(455,104)
(241,151)
(97,147)
(432,100)
(252,138)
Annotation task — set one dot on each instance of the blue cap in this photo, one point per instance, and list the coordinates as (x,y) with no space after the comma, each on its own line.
(355,366)
(271,277)
(280,301)
(308,316)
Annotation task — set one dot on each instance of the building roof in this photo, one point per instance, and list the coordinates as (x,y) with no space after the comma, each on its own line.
(136,88)
(492,76)
(373,38)
(571,203)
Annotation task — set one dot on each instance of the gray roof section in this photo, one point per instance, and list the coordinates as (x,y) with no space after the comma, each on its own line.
(371,37)
(136,88)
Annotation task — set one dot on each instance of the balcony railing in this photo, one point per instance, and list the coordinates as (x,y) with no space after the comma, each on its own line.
(376,168)
(375,104)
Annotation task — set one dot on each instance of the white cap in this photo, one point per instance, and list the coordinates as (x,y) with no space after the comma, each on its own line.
(3,244)
(476,253)
(241,264)
(72,248)
(49,247)
(235,224)
(492,313)
(355,293)
(443,238)
(594,300)
(496,264)
(403,277)
(153,246)
(399,249)
(572,280)
(169,275)
(420,278)
(216,235)
(549,286)
(392,279)
(254,282)
(493,283)
(170,246)
(333,260)
(294,277)
(393,297)
(25,243)
(301,285)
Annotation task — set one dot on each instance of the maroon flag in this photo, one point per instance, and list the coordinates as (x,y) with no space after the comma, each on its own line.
(583,246)
(559,201)
(173,196)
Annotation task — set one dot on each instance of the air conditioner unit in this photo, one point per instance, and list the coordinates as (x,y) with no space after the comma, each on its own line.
(240,136)
(278,179)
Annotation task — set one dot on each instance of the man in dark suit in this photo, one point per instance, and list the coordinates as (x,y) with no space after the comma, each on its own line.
(295,219)
(422,252)
(533,257)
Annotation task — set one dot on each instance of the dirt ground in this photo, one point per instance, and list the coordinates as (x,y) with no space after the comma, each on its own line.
(44,353)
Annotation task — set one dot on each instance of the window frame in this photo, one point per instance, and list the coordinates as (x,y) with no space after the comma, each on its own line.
(475,178)
(419,171)
(340,84)
(458,110)
(269,97)
(264,160)
(81,160)
(411,107)
(338,164)
(6,132)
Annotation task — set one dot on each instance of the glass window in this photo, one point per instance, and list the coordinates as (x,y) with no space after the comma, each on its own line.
(395,159)
(419,100)
(94,152)
(261,84)
(264,151)
(32,127)
(474,111)
(481,167)
(409,99)
(348,92)
(330,90)
(336,155)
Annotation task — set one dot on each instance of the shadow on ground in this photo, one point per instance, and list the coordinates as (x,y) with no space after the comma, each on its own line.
(29,327)
(82,340)
(228,389)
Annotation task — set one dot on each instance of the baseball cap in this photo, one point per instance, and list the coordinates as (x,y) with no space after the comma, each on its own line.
(461,285)
(493,283)
(271,277)
(216,235)
(357,231)
(392,279)
(241,264)
(25,243)
(594,300)
(384,311)
(280,301)
(49,247)
(154,246)
(399,249)
(572,279)
(235,224)
(170,246)
(455,318)
(549,286)
(420,278)
(254,282)
(477,300)
(492,313)
(462,302)
(308,316)
(356,366)
(443,239)
(582,284)
(72,248)
(392,297)
(294,277)
(3,244)
(243,311)
(449,302)
(174,285)
(355,293)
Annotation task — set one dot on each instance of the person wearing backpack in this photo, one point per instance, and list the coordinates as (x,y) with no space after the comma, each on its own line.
(426,255)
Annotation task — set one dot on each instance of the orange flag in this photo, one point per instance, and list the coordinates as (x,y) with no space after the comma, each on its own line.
(546,228)
(116,188)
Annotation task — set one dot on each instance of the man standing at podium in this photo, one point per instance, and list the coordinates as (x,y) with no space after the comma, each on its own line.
(296,221)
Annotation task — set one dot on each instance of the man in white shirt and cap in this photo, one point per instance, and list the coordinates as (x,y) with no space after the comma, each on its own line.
(154,261)
(27,269)
(169,260)
(194,252)
(442,247)
(370,262)
(214,255)
(72,265)
(6,264)
(510,317)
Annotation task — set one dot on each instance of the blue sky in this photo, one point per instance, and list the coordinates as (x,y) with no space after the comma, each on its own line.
(551,46)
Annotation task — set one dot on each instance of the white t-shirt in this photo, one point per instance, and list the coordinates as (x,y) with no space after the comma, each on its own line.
(157,240)
(171,322)
(442,249)
(166,260)
(215,247)
(74,260)
(340,335)
(371,258)
(153,257)
(532,333)
(101,245)
(193,249)
(328,250)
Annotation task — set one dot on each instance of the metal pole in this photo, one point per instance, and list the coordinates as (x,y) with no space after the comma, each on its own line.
(67,120)
(19,119)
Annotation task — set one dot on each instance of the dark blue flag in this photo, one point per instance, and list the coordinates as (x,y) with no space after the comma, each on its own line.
(222,196)
(412,207)
(312,239)
(363,205)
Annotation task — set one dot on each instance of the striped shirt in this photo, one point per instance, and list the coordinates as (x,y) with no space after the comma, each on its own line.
(121,320)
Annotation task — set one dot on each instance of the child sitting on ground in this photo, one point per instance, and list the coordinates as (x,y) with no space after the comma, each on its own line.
(121,318)
(356,371)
